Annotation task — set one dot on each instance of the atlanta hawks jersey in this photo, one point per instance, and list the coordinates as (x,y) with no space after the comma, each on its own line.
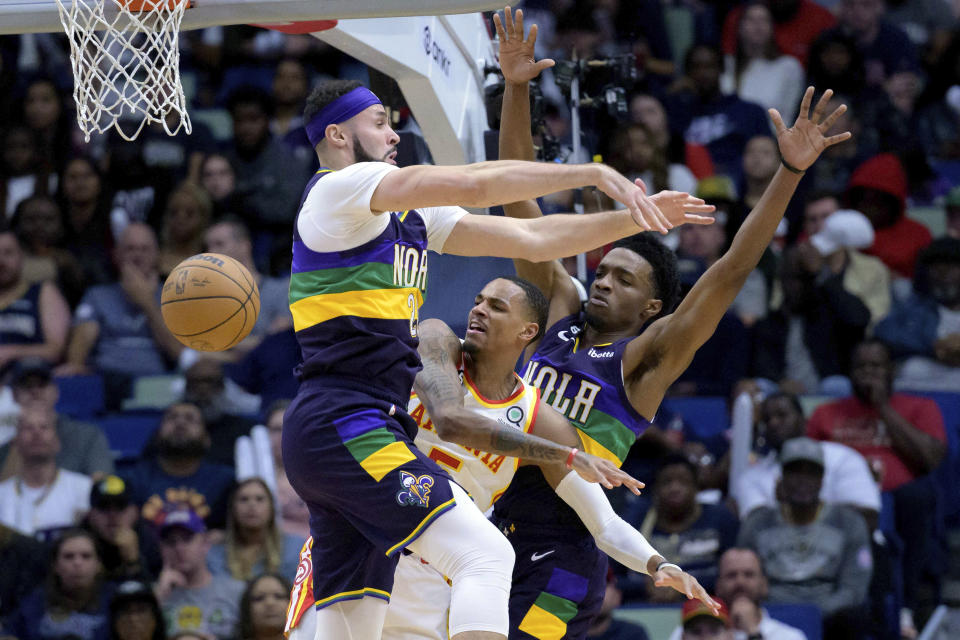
(484,475)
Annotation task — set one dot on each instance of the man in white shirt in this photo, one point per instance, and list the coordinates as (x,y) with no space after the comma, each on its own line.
(847,478)
(42,497)
(742,583)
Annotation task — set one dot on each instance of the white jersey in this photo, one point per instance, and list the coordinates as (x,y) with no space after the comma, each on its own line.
(485,476)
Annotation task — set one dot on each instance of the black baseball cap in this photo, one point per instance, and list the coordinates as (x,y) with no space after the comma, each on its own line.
(111,491)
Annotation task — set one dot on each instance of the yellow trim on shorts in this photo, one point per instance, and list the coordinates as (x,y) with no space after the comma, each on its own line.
(353,595)
(542,624)
(433,515)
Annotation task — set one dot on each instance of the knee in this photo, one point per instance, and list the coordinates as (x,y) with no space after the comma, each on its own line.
(491,555)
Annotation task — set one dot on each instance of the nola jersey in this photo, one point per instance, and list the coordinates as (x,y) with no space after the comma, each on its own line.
(586,386)
(485,476)
(355,311)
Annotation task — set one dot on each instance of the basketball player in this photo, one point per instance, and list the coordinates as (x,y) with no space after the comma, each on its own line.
(359,275)
(459,392)
(599,366)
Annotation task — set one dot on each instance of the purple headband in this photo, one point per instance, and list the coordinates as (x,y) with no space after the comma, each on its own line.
(340,110)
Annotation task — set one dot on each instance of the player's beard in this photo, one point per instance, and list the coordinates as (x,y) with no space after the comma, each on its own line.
(360,154)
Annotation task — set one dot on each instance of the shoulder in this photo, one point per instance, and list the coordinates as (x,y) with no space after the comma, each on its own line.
(781,631)
(760,518)
(77,481)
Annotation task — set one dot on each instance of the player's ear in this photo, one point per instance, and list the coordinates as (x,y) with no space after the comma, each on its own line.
(530,329)
(335,135)
(652,309)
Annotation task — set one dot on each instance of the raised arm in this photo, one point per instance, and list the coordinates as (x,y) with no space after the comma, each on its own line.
(438,386)
(516,143)
(674,340)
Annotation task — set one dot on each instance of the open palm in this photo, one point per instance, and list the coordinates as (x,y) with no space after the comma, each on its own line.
(517,60)
(801,144)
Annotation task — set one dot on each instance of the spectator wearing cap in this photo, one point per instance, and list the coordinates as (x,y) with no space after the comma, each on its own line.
(128,546)
(903,438)
(180,468)
(192,598)
(263,608)
(690,533)
(24,568)
(923,332)
(135,613)
(878,189)
(83,446)
(34,318)
(604,626)
(804,347)
(701,623)
(74,601)
(846,478)
(813,552)
(834,238)
(41,497)
(742,583)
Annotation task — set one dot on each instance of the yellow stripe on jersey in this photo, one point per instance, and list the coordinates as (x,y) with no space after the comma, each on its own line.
(542,624)
(385,304)
(383,461)
(594,448)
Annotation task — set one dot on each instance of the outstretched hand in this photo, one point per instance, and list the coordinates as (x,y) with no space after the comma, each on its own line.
(686,584)
(682,208)
(594,469)
(516,51)
(802,144)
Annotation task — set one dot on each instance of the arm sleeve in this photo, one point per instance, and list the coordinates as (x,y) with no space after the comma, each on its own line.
(613,535)
(440,222)
(336,214)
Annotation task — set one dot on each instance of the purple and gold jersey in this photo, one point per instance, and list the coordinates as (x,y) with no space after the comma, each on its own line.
(355,312)
(586,386)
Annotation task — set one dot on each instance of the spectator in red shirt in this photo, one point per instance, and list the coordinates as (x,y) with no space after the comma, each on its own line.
(903,438)
(878,189)
(797,23)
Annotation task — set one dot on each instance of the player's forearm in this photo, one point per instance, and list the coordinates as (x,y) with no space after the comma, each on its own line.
(613,535)
(562,235)
(468,429)
(516,139)
(505,181)
(757,230)
(921,451)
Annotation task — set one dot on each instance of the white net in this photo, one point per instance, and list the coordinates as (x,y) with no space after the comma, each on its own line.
(126,64)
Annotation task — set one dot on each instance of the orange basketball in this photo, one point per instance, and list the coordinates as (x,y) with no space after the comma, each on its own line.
(210,302)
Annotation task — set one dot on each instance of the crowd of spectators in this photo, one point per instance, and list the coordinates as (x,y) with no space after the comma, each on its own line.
(844,332)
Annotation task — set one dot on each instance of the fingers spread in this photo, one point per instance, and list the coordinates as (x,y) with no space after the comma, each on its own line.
(840,137)
(532,38)
(518,22)
(777,121)
(826,124)
(805,104)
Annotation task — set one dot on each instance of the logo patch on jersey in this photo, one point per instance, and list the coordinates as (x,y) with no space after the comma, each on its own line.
(415,491)
(515,416)
(593,353)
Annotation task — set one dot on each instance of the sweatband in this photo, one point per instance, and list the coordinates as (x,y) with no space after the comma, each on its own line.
(613,535)
(340,110)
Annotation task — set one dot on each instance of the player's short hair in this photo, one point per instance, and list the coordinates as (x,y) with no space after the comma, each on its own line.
(666,275)
(789,397)
(325,93)
(537,303)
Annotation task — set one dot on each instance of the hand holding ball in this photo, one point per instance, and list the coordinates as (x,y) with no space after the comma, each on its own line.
(210,302)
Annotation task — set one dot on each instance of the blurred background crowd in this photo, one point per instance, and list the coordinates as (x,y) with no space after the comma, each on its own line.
(142,494)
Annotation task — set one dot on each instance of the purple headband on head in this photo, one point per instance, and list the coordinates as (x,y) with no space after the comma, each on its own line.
(340,110)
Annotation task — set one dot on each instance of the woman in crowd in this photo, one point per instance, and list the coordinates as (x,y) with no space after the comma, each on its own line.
(263,608)
(86,218)
(74,600)
(758,71)
(254,543)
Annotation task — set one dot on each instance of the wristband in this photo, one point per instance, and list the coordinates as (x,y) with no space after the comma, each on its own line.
(792,169)
(667,564)
(573,452)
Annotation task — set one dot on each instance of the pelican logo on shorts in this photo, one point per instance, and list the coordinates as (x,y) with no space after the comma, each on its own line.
(182,281)
(416,490)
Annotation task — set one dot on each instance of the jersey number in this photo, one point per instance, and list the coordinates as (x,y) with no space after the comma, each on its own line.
(446,459)
(412,305)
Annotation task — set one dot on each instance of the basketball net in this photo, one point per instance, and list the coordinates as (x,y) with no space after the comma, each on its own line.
(126,64)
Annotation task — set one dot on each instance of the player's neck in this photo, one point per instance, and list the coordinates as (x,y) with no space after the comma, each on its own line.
(331,159)
(491,374)
(592,336)
(179,467)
